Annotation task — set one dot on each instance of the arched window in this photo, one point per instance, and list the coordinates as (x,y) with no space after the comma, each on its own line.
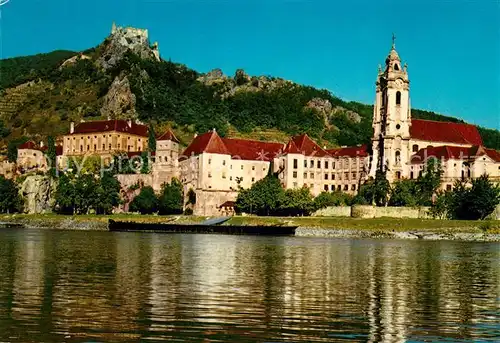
(398,175)
(415,148)
(396,66)
(398,157)
(398,98)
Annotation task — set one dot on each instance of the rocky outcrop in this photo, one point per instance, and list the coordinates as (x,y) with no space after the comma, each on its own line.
(73,60)
(38,192)
(124,39)
(119,102)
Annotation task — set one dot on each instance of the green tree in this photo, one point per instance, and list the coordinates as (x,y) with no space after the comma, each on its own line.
(429,181)
(107,194)
(4,131)
(297,202)
(151,139)
(327,199)
(468,202)
(263,198)
(51,155)
(375,191)
(171,199)
(404,193)
(145,166)
(65,196)
(10,200)
(146,202)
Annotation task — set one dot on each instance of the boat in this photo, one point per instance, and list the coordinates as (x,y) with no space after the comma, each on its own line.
(118,226)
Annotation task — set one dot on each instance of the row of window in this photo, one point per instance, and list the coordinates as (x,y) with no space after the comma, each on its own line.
(129,147)
(237,179)
(332,188)
(326,164)
(95,137)
(231,166)
(353,175)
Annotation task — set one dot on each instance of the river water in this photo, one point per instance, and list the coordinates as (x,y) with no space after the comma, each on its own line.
(64,286)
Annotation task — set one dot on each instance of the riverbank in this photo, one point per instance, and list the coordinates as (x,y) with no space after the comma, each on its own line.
(337,227)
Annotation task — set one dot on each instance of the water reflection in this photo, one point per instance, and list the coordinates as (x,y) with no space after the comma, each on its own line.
(119,287)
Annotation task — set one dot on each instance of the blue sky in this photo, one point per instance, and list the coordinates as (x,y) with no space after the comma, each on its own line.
(452,47)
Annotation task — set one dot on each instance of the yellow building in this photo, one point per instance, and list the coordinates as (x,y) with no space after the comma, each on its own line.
(105,138)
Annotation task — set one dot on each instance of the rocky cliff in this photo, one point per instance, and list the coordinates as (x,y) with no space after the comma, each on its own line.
(38,192)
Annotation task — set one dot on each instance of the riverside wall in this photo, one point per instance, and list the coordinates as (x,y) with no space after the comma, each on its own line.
(366,211)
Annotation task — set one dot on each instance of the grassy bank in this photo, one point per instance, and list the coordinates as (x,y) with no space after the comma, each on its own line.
(344,223)
(376,224)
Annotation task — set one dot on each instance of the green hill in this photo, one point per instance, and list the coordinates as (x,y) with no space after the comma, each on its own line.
(39,97)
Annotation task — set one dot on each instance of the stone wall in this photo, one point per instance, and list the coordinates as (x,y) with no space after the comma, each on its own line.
(208,202)
(362,211)
(334,211)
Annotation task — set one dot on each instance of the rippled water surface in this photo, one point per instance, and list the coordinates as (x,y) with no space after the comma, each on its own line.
(127,287)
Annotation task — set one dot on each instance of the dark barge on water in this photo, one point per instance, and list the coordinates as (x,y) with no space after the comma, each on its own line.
(201,228)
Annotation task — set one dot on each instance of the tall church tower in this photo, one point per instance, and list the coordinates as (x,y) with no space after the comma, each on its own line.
(392,119)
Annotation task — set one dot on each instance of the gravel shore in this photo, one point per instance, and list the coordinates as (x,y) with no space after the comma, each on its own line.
(425,235)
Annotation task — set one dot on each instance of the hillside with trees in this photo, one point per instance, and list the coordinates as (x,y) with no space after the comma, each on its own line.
(40,95)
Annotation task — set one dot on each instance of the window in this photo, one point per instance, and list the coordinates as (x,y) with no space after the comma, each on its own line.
(110,147)
(223,175)
(209,161)
(305,175)
(346,176)
(312,175)
(333,165)
(81,148)
(333,176)
(354,174)
(230,178)
(326,176)
(241,167)
(339,188)
(415,148)
(95,146)
(253,167)
(353,187)
(398,97)
(319,164)
(209,174)
(325,188)
(326,164)
(411,175)
(398,175)
(104,147)
(448,187)
(398,157)
(346,187)
(88,147)
(311,164)
(118,145)
(223,163)
(295,164)
(295,184)
(305,163)
(294,174)
(396,67)
(253,179)
(333,188)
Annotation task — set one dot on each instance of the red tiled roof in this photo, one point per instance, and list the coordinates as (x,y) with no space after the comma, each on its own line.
(28,145)
(168,136)
(436,131)
(111,125)
(447,152)
(291,148)
(242,149)
(493,154)
(251,150)
(353,151)
(308,147)
(209,142)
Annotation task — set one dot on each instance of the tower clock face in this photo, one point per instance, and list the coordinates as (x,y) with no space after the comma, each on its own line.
(399,83)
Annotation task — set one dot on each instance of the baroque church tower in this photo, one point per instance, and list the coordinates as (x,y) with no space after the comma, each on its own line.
(391,119)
